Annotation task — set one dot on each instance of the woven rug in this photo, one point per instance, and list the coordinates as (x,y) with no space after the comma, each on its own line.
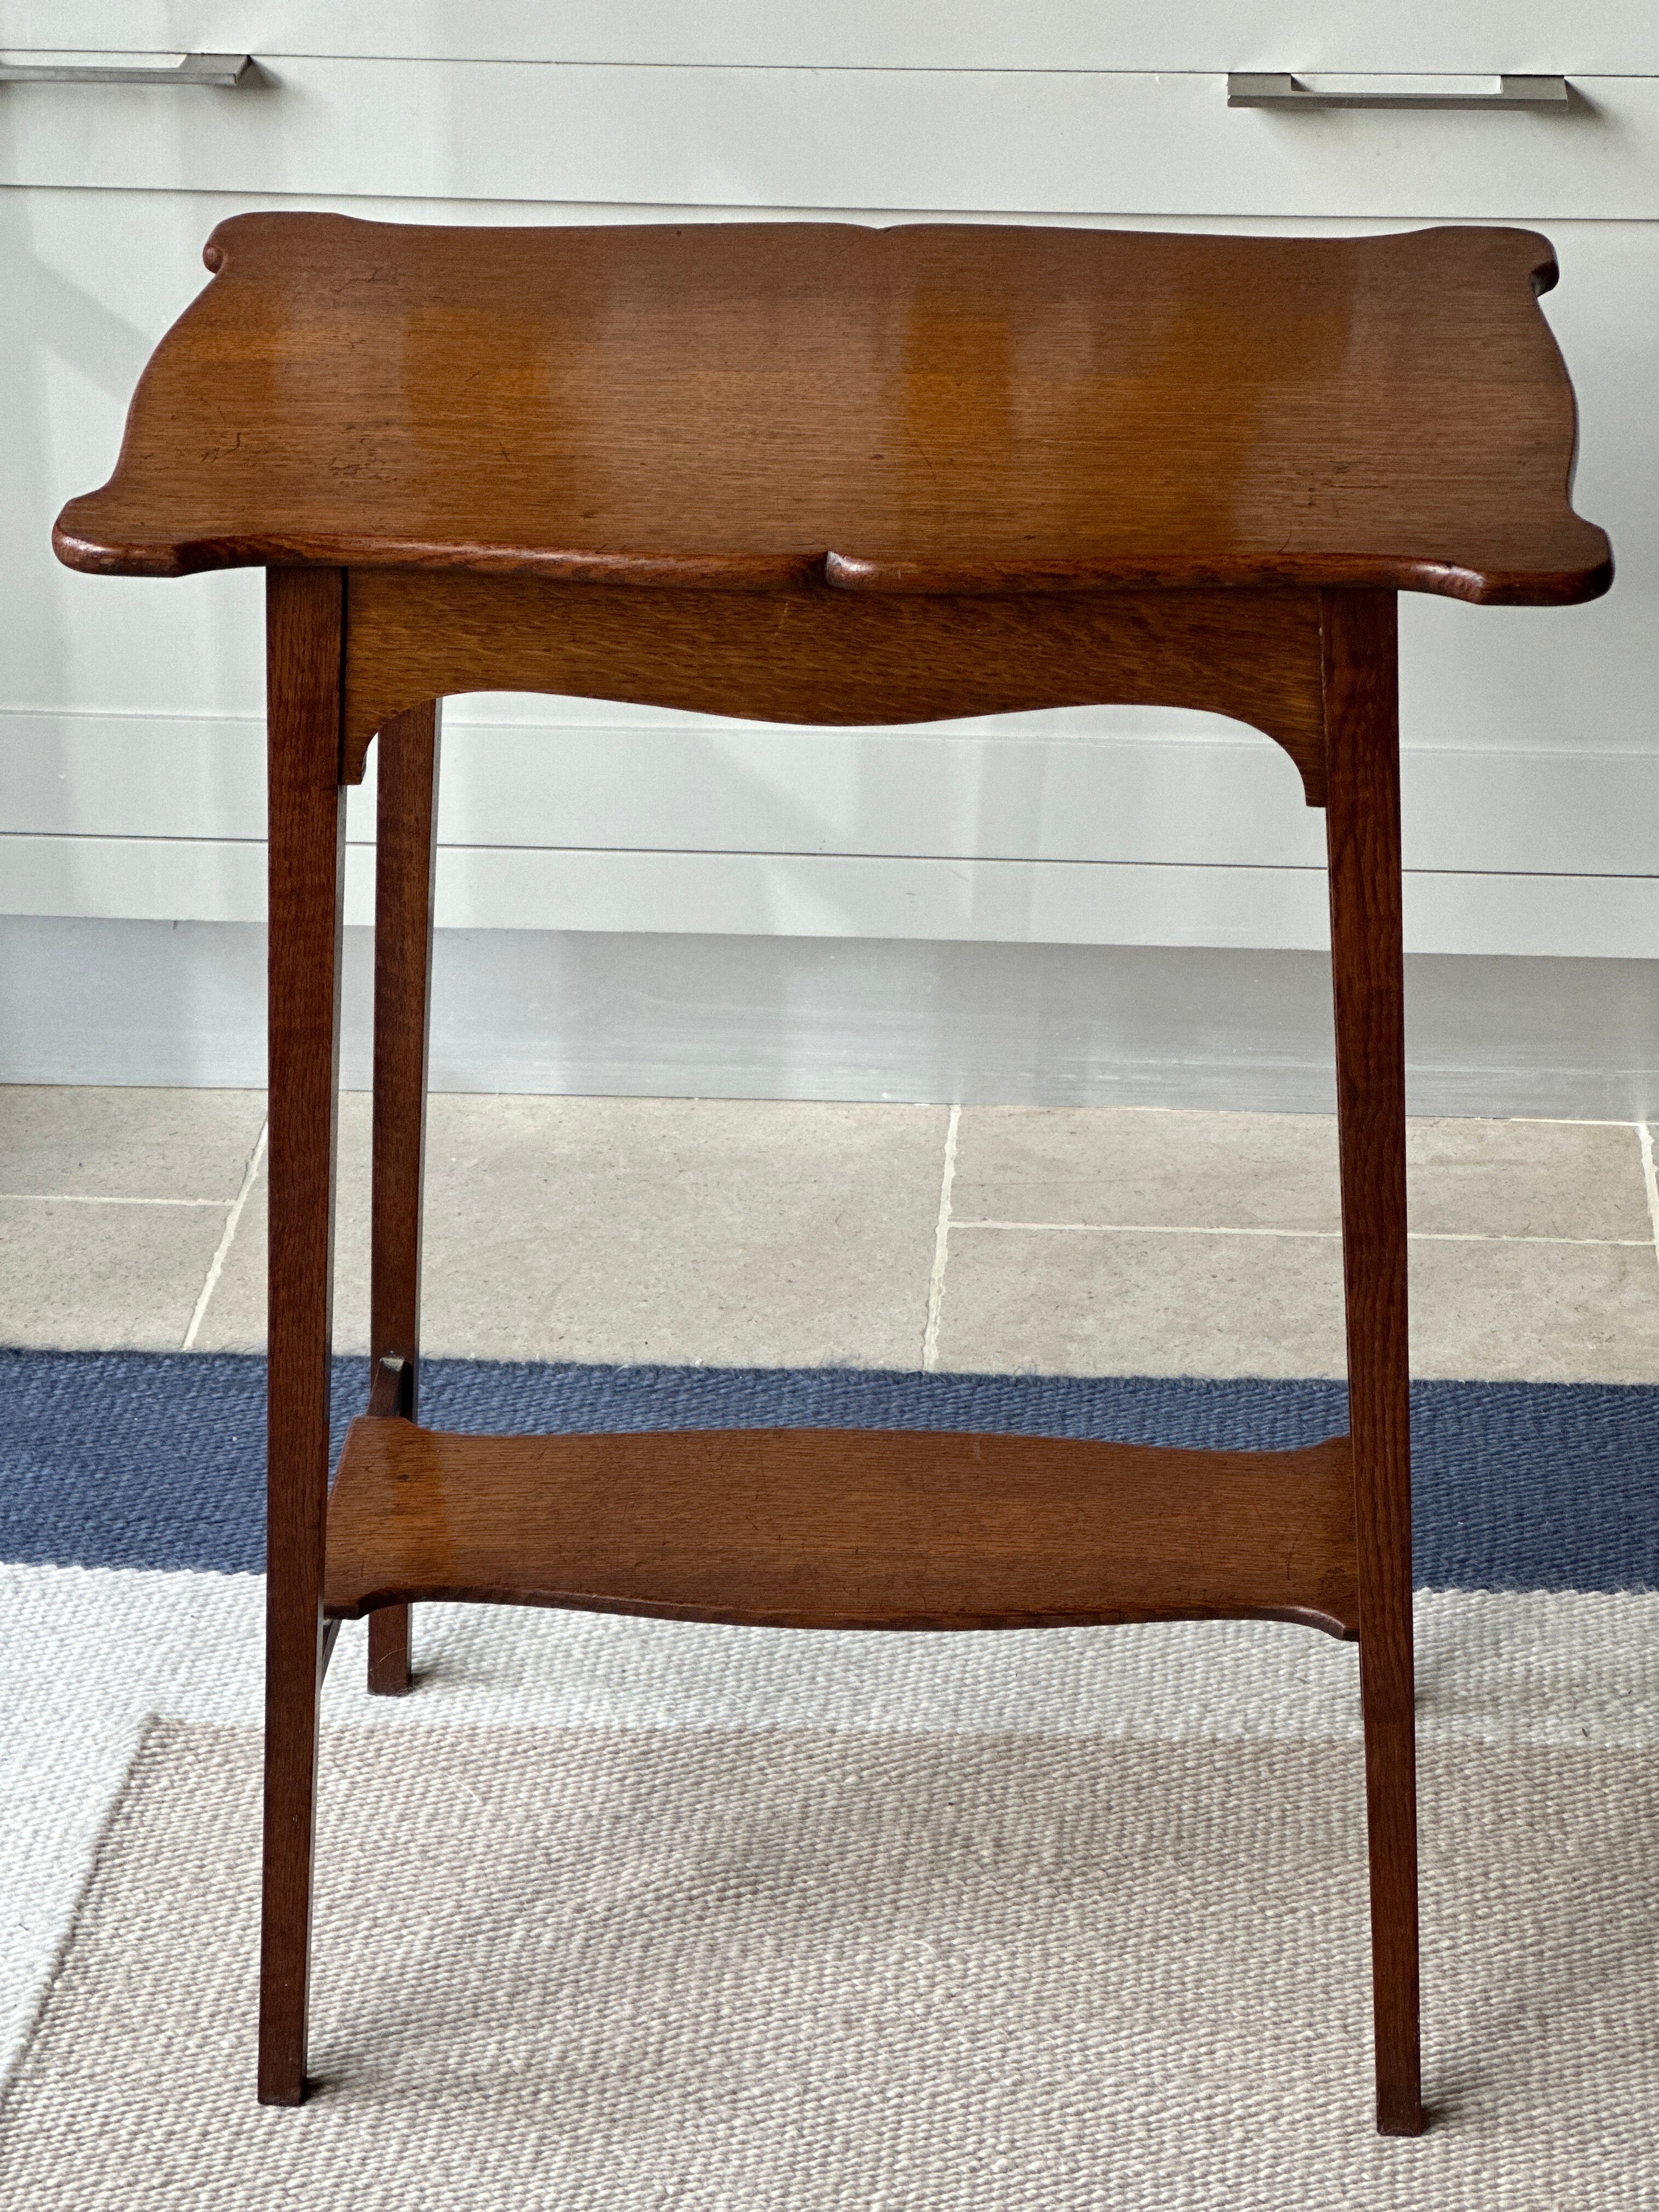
(592,1967)
(1515,1486)
(632,1914)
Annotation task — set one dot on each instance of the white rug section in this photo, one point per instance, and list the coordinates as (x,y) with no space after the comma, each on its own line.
(730,1971)
(90,1656)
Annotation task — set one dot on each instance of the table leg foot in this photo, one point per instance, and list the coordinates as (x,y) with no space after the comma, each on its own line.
(285,1927)
(389,1674)
(1391,1807)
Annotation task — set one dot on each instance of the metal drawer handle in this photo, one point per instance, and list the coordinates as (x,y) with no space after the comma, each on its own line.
(189,69)
(1248,89)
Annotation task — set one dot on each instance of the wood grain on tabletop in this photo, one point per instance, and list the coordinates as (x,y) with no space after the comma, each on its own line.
(843,1528)
(928,407)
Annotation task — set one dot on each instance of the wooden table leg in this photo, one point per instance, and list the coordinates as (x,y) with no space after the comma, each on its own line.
(405,863)
(1362,827)
(305,616)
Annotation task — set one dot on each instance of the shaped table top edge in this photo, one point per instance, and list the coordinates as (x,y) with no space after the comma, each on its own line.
(108,533)
(94,555)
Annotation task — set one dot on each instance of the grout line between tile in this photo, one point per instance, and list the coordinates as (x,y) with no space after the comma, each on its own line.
(81,1198)
(1645,1135)
(1142,1228)
(1324,1235)
(216,1264)
(941,1246)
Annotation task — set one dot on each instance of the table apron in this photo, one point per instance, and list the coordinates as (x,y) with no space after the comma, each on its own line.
(811,654)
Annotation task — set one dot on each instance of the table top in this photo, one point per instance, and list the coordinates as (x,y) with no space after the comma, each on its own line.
(928,408)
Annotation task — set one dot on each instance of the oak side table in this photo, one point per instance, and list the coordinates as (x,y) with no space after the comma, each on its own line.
(831,474)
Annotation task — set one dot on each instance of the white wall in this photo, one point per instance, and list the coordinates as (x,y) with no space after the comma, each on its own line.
(129,778)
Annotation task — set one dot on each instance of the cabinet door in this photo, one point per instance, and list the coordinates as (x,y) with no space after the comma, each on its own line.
(1606,38)
(1053,140)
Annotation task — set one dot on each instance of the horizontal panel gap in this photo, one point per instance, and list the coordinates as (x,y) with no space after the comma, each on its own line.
(865,860)
(23,54)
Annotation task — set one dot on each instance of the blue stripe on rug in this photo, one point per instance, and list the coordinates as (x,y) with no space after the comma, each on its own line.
(157,1460)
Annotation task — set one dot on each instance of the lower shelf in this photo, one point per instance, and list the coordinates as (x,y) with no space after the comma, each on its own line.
(842,1528)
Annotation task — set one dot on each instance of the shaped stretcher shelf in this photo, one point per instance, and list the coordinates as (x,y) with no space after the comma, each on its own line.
(843,1528)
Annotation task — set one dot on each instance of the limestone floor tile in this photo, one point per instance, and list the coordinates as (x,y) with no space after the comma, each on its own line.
(114,1277)
(721,1232)
(1534,1313)
(1094,1303)
(1100,1302)
(76,1140)
(1147,1167)
(1581,1179)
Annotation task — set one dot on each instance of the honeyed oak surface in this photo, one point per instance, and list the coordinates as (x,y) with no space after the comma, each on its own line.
(307,859)
(929,408)
(842,1528)
(810,653)
(1362,824)
(405,867)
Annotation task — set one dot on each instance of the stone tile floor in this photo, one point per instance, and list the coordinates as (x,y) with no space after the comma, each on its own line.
(728,1232)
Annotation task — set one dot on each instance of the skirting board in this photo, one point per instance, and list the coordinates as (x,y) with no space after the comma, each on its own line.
(585,1013)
